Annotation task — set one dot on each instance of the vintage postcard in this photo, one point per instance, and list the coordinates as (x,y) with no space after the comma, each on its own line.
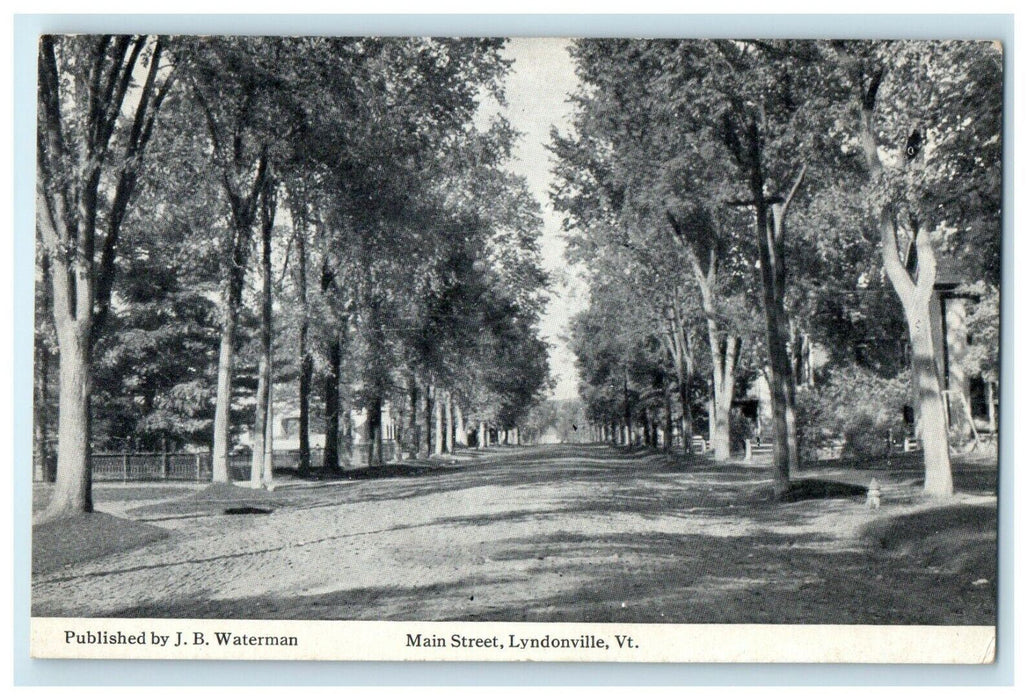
(594,349)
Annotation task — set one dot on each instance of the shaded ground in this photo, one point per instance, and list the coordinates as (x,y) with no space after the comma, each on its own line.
(70,541)
(556,533)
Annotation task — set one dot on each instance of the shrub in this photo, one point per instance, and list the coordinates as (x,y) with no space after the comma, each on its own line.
(855,405)
(864,437)
(741,428)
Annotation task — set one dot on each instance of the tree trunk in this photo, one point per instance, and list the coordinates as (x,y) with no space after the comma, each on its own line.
(482,435)
(711,412)
(668,418)
(439,437)
(68,177)
(628,408)
(72,490)
(429,410)
(461,427)
(266,476)
(299,205)
(686,420)
(769,233)
(224,388)
(262,419)
(916,300)
(376,455)
(990,399)
(305,364)
(448,410)
(725,352)
(332,405)
(236,249)
(414,392)
(41,378)
(40,411)
(305,383)
(264,393)
(915,297)
(933,429)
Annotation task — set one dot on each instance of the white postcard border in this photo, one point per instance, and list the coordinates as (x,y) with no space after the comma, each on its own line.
(307,640)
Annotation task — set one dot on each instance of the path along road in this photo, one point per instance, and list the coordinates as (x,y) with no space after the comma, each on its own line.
(554,533)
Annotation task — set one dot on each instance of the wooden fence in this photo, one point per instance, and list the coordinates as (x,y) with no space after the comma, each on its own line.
(184,466)
(197,466)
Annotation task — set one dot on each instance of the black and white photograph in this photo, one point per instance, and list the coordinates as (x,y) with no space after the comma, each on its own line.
(535,348)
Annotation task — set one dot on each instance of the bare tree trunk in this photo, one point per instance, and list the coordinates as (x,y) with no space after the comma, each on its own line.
(668,418)
(40,410)
(628,408)
(235,255)
(259,430)
(305,384)
(72,489)
(224,379)
(990,397)
(933,430)
(267,455)
(332,405)
(234,259)
(414,394)
(439,441)
(916,301)
(297,200)
(429,409)
(686,420)
(482,435)
(461,427)
(233,286)
(725,352)
(305,365)
(376,455)
(711,413)
(264,393)
(448,410)
(769,231)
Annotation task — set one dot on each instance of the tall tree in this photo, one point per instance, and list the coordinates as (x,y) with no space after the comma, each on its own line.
(91,144)
(244,91)
(928,122)
(262,447)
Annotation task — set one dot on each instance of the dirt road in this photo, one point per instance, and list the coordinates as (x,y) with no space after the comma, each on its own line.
(540,534)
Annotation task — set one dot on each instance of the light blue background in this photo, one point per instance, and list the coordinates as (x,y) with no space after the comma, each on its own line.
(28,671)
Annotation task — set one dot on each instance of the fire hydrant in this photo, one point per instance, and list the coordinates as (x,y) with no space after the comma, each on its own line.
(873,495)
